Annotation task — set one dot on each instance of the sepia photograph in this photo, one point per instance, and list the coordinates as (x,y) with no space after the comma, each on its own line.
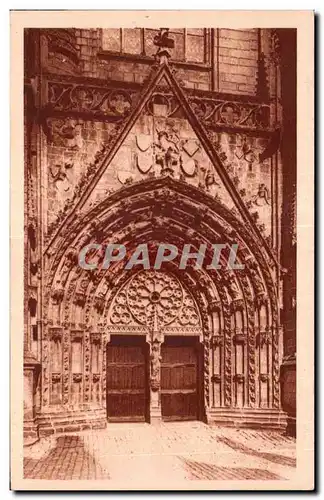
(160,241)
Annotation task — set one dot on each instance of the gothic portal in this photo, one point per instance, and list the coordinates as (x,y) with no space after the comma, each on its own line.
(153,160)
(159,376)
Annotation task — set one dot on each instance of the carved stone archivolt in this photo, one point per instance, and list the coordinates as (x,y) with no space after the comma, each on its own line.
(134,301)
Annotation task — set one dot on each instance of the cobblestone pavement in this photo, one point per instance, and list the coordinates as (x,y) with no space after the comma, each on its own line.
(169,451)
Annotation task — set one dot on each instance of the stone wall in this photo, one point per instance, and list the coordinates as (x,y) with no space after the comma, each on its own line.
(238,60)
(231,68)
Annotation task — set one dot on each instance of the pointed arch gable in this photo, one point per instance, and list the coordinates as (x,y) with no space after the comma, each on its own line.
(164,74)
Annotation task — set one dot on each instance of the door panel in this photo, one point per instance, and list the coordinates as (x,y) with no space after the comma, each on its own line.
(179,374)
(126,379)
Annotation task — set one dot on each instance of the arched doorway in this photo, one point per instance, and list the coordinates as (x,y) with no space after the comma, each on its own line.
(154,357)
(237,311)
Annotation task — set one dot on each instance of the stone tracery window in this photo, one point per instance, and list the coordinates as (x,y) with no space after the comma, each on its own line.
(154,296)
(229,58)
(190,44)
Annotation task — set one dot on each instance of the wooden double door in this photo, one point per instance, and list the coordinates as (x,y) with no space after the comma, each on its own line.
(128,389)
(127,378)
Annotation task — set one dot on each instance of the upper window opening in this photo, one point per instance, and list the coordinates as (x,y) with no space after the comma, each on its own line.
(190,44)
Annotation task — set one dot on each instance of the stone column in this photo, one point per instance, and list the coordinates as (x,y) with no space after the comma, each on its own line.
(156,339)
(31,372)
(155,381)
(287,45)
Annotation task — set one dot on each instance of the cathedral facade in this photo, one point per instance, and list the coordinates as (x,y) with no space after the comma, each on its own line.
(148,137)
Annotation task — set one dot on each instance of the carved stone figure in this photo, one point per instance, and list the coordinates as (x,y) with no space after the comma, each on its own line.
(168,152)
(155,365)
(262,197)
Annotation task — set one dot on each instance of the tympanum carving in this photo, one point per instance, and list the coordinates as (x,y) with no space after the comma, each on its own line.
(153,292)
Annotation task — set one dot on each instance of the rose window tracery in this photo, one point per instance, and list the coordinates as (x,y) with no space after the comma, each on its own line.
(154,295)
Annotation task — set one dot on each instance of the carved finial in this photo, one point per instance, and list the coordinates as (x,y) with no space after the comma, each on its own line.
(163,42)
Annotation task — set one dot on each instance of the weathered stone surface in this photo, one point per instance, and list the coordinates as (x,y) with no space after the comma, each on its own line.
(131,148)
